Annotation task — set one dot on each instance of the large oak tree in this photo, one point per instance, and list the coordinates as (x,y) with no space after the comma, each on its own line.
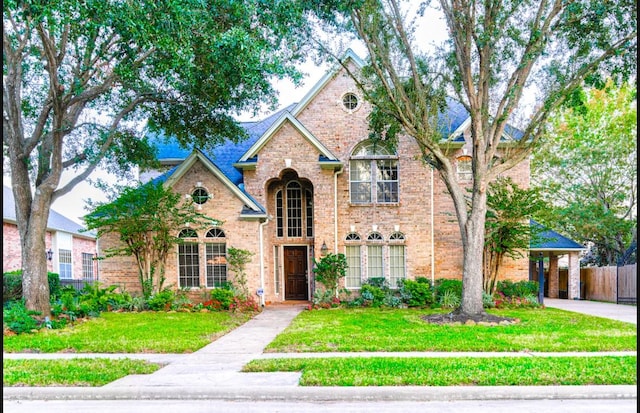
(496,49)
(79,76)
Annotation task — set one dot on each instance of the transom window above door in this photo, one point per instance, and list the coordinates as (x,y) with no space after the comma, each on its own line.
(373,174)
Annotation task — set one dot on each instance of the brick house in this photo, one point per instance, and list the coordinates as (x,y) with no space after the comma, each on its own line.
(70,251)
(308,181)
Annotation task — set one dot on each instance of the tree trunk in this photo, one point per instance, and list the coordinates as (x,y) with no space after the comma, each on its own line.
(473,249)
(33,229)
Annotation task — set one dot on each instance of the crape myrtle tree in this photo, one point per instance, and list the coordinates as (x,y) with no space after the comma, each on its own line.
(79,77)
(508,232)
(587,170)
(146,220)
(495,51)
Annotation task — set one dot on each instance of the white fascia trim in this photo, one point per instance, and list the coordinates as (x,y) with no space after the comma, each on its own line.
(256,147)
(198,155)
(349,55)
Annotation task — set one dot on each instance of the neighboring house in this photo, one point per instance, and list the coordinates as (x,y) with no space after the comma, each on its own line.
(70,252)
(308,181)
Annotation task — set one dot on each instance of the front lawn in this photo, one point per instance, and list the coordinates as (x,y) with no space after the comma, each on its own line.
(143,332)
(374,329)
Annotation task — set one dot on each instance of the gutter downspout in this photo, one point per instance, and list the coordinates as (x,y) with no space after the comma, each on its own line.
(335,209)
(261,226)
(433,249)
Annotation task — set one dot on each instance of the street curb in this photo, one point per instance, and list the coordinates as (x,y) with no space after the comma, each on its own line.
(327,394)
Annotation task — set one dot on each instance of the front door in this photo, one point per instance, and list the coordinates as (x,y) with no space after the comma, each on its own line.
(295,273)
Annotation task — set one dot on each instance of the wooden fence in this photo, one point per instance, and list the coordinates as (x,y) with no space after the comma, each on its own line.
(612,284)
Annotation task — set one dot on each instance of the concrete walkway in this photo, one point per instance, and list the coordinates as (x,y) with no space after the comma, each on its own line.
(213,372)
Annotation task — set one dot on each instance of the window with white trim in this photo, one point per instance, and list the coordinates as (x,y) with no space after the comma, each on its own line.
(373,174)
(375,261)
(65,267)
(463,165)
(188,259)
(353,255)
(216,257)
(294,211)
(397,259)
(87,266)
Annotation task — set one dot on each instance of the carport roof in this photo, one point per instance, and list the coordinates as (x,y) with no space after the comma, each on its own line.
(550,240)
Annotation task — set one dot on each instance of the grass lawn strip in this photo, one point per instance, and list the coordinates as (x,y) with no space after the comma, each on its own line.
(71,372)
(456,371)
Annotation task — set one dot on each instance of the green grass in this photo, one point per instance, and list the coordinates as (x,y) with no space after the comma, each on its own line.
(146,332)
(344,330)
(458,371)
(372,329)
(73,372)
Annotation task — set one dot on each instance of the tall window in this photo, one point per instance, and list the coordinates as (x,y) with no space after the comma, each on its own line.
(216,257)
(397,263)
(188,259)
(465,173)
(294,210)
(64,264)
(373,174)
(375,265)
(279,214)
(354,260)
(87,266)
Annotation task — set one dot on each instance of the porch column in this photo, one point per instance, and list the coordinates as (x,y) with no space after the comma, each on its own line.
(574,276)
(553,277)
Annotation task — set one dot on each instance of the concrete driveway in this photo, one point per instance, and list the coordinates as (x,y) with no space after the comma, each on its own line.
(621,312)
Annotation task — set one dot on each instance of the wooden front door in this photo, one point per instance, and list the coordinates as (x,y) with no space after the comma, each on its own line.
(295,273)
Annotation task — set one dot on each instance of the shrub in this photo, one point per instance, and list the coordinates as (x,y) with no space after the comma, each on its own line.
(416,293)
(443,285)
(12,285)
(162,300)
(329,270)
(372,295)
(221,298)
(449,299)
(17,318)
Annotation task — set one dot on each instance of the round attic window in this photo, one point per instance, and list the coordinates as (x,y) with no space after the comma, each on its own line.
(350,102)
(200,195)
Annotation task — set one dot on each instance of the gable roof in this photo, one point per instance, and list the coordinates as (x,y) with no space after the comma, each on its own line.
(549,240)
(252,152)
(251,209)
(55,222)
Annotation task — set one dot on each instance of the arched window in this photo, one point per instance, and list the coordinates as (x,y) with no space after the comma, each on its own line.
(294,211)
(216,257)
(353,255)
(373,174)
(188,259)
(465,173)
(375,261)
(397,261)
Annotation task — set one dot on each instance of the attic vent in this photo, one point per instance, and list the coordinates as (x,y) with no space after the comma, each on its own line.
(350,102)
(200,195)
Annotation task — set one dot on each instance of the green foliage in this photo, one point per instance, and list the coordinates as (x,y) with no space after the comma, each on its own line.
(162,300)
(372,295)
(237,260)
(517,289)
(587,171)
(329,270)
(449,299)
(11,286)
(221,298)
(147,219)
(447,286)
(416,293)
(508,231)
(17,318)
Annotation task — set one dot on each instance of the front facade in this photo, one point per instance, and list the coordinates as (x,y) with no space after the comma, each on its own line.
(308,181)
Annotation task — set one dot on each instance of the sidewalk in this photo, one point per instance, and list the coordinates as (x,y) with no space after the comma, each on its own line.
(213,372)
